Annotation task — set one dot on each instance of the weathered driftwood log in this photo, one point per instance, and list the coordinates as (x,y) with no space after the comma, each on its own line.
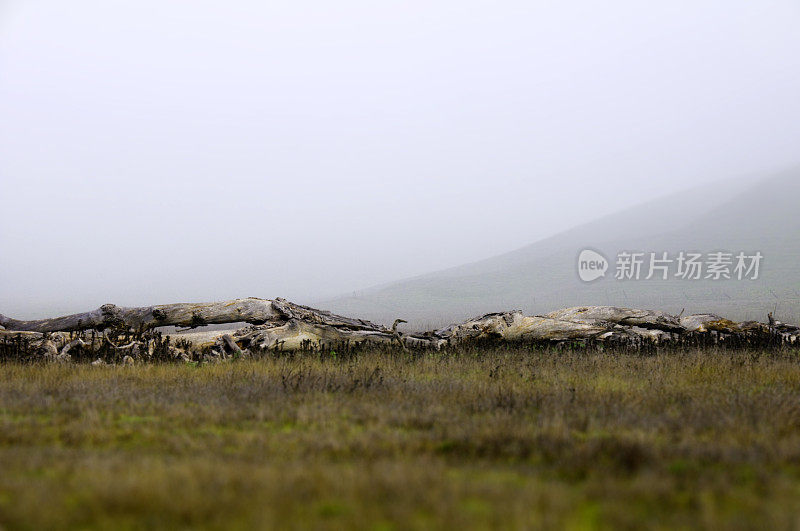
(296,334)
(599,315)
(192,315)
(277,324)
(706,322)
(512,326)
(189,314)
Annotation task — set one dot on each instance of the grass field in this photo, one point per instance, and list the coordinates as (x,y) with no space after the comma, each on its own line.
(483,439)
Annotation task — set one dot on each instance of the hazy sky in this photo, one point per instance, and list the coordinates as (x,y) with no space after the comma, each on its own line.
(159,151)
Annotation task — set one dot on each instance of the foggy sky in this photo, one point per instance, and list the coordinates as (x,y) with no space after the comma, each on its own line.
(155,152)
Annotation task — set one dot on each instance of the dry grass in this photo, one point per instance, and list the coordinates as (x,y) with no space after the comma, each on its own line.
(497,439)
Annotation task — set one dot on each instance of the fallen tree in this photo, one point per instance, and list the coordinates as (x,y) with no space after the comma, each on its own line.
(280,325)
(191,315)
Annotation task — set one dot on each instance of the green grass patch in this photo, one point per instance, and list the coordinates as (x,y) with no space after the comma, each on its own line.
(483,439)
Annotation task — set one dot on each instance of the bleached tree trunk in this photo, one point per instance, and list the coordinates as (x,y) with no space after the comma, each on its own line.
(281,325)
(191,315)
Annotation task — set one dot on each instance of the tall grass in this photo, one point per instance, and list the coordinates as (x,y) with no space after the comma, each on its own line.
(484,438)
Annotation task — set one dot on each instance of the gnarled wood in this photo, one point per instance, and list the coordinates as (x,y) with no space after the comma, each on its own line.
(622,316)
(514,326)
(192,315)
(277,324)
(296,334)
(705,322)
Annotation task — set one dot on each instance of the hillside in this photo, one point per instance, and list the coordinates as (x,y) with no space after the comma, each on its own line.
(740,215)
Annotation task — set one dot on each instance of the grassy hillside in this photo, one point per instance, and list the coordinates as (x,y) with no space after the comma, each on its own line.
(742,215)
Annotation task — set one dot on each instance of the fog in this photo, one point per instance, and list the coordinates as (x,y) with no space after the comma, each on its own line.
(156,152)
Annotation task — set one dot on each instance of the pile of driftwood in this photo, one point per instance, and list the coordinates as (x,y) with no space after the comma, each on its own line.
(116,334)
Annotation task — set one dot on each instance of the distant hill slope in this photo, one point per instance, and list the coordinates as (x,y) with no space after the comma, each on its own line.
(741,215)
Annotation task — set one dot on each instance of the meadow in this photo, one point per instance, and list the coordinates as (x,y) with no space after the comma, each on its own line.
(507,438)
